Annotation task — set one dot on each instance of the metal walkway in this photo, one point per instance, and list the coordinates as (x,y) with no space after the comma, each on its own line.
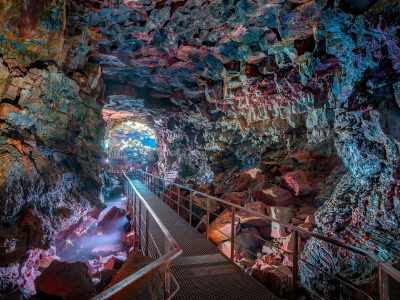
(202,272)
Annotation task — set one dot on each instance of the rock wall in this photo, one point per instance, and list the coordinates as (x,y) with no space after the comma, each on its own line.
(50,133)
(225,84)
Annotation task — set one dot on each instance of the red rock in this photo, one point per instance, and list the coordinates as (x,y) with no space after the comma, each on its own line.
(303,157)
(46,261)
(281,197)
(258,207)
(150,287)
(254,172)
(257,193)
(272,195)
(295,221)
(297,182)
(248,219)
(220,229)
(238,198)
(240,182)
(283,214)
(274,279)
(113,220)
(283,169)
(247,241)
(5,109)
(66,280)
(307,209)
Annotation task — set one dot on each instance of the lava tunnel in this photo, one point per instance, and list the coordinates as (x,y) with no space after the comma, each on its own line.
(196,149)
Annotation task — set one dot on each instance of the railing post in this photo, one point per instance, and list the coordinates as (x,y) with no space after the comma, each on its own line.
(190,207)
(295,255)
(383,285)
(147,233)
(208,219)
(233,233)
(139,231)
(179,201)
(167,276)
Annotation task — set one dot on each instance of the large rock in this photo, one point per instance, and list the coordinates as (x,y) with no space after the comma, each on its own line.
(113,220)
(276,279)
(66,281)
(200,203)
(283,214)
(150,287)
(238,198)
(221,227)
(297,182)
(272,195)
(247,241)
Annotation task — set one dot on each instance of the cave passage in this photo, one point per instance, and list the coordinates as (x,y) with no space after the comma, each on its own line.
(234,112)
(130,139)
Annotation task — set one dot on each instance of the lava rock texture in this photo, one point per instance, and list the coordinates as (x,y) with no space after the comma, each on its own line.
(50,133)
(228,85)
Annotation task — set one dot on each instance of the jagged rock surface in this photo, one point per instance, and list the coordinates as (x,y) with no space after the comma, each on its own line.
(51,129)
(231,85)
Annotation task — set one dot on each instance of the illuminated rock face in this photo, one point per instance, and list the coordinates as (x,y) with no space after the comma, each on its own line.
(51,130)
(130,138)
(229,86)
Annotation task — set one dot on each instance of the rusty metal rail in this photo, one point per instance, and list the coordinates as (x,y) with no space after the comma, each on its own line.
(153,239)
(385,271)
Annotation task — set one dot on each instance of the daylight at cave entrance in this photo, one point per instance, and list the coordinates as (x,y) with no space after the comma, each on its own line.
(200,149)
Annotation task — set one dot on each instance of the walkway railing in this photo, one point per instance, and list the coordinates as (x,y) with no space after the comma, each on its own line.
(160,186)
(153,239)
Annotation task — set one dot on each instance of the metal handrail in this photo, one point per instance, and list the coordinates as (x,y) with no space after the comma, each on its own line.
(385,269)
(152,267)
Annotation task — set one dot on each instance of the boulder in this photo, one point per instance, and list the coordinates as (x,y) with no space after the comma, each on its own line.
(295,221)
(113,220)
(201,202)
(150,287)
(238,198)
(283,214)
(66,281)
(272,195)
(240,182)
(221,228)
(297,182)
(303,157)
(247,241)
(255,174)
(275,279)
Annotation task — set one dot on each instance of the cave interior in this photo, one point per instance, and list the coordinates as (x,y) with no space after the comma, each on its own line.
(290,108)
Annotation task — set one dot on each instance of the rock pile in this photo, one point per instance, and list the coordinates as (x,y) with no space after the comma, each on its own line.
(283,190)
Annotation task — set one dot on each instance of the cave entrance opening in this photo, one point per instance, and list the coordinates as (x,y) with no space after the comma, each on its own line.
(130,143)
